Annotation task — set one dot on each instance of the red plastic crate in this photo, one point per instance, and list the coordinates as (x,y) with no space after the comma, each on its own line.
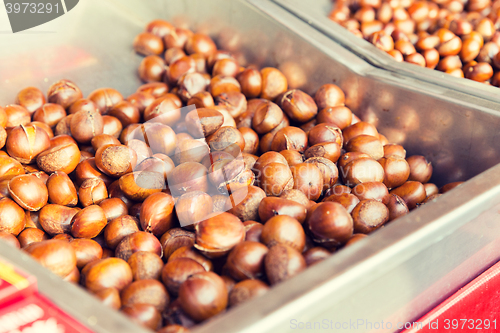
(474,308)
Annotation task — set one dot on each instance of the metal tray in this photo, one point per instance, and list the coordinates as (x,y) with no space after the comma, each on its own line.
(398,273)
(315,13)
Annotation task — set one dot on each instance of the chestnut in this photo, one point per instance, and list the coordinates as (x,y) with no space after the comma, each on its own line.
(174,239)
(188,177)
(274,178)
(88,222)
(82,104)
(218,234)
(420,168)
(397,207)
(138,241)
(141,184)
(30,98)
(330,224)
(411,192)
(273,83)
(359,128)
(126,112)
(191,83)
(63,158)
(308,178)
(85,125)
(355,238)
(349,201)
(118,229)
(289,138)
(87,169)
(31,235)
(175,272)
(394,149)
(29,192)
(329,95)
(244,203)
(157,213)
(298,105)
(63,126)
(16,115)
(64,93)
(24,143)
(396,171)
(203,122)
(86,250)
(56,219)
(227,139)
(111,126)
(165,108)
(366,144)
(177,38)
(251,82)
(152,69)
(296,196)
(56,255)
(191,150)
(200,43)
(106,273)
(92,192)
(102,140)
(147,43)
(145,265)
(362,170)
(267,117)
(293,157)
(322,133)
(146,291)
(234,103)
(193,207)
(109,297)
(369,215)
(9,168)
(115,160)
(430,189)
(61,189)
(315,255)
(10,239)
(202,99)
(283,262)
(145,315)
(284,229)
(246,290)
(203,305)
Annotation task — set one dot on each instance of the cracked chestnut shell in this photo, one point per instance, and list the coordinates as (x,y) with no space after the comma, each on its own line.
(298,105)
(274,178)
(244,203)
(92,192)
(157,213)
(64,93)
(24,143)
(84,125)
(29,192)
(218,234)
(289,138)
(174,239)
(203,122)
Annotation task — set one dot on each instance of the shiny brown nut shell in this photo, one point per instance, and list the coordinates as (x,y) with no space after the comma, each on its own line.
(118,229)
(174,239)
(24,143)
(63,158)
(175,272)
(86,250)
(106,273)
(283,262)
(55,255)
(349,201)
(30,98)
(330,224)
(411,192)
(31,235)
(307,177)
(147,291)
(157,213)
(420,168)
(141,184)
(218,234)
(203,122)
(285,230)
(397,207)
(246,290)
(115,160)
(369,215)
(362,170)
(246,260)
(145,265)
(138,241)
(92,192)
(145,315)
(274,178)
(396,171)
(56,219)
(61,189)
(89,222)
(29,192)
(244,203)
(64,93)
(201,306)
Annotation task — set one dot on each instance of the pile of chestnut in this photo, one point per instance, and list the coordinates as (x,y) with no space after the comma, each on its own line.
(209,184)
(458,37)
